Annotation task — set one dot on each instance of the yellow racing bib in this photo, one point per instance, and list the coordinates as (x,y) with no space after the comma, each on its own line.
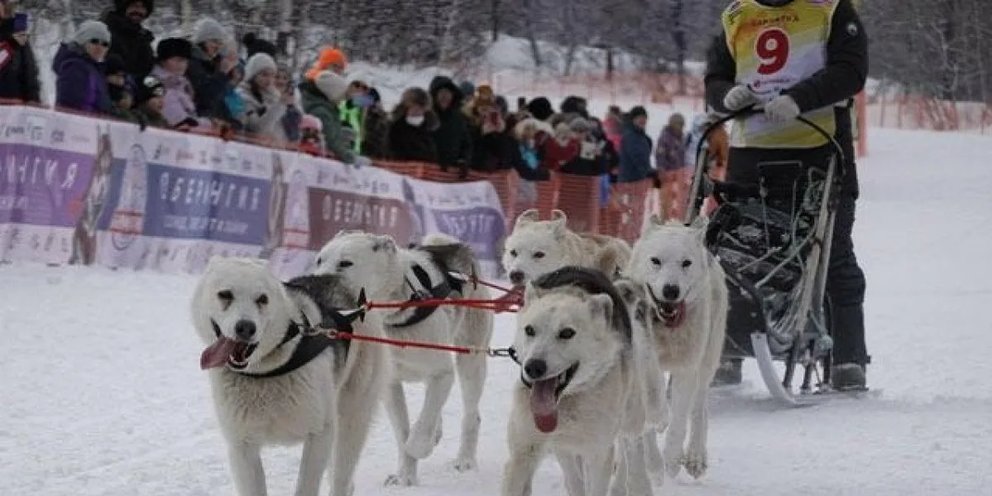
(774,48)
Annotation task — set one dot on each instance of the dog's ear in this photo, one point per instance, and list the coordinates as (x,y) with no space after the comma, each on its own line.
(630,291)
(559,223)
(602,304)
(384,243)
(304,303)
(528,216)
(654,222)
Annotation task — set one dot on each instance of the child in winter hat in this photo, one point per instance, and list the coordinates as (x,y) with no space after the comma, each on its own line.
(330,59)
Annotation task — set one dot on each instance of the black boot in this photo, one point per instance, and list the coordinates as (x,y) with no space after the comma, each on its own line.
(848,377)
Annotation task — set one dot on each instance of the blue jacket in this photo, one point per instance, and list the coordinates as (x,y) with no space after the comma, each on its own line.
(80,83)
(635,154)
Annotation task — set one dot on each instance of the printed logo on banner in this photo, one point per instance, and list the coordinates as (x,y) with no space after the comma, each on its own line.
(193,204)
(334,211)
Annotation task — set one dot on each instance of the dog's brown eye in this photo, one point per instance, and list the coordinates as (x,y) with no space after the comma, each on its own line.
(225,295)
(686,264)
(513,253)
(344,264)
(656,261)
(566,333)
(320,262)
(538,254)
(262,300)
(529,331)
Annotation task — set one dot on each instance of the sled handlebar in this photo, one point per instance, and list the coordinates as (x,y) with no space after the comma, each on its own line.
(756,110)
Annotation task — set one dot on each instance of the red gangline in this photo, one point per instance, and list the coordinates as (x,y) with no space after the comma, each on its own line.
(404,344)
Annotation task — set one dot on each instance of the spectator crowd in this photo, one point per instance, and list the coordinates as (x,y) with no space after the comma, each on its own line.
(207,81)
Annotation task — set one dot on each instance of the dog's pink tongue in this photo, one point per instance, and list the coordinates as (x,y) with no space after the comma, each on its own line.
(543,405)
(216,354)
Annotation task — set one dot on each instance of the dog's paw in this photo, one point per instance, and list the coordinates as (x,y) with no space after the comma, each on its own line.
(695,464)
(464,464)
(401,480)
(673,462)
(419,447)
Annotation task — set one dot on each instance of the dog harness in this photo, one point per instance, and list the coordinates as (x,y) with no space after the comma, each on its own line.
(313,341)
(443,290)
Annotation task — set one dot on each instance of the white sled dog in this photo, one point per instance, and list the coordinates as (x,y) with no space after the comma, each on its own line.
(579,395)
(536,247)
(389,273)
(275,382)
(687,290)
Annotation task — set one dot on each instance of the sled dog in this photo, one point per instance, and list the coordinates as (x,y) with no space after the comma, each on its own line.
(536,247)
(578,395)
(276,381)
(687,292)
(389,273)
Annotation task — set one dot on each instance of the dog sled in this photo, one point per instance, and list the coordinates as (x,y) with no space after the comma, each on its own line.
(776,257)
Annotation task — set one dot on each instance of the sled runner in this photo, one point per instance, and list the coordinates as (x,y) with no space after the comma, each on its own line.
(775,254)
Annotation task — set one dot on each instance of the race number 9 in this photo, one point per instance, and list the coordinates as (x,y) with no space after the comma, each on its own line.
(773,50)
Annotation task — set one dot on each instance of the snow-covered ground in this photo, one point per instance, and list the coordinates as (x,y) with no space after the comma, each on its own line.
(100,392)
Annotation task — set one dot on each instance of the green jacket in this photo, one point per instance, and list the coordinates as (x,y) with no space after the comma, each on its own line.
(353,117)
(317,105)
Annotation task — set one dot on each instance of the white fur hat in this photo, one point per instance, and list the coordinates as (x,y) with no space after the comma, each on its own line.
(208,29)
(258,63)
(331,85)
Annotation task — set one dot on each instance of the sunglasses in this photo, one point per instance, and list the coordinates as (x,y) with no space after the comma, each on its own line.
(105,44)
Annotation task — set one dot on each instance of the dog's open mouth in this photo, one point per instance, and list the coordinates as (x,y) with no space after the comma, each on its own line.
(226,351)
(672,313)
(544,396)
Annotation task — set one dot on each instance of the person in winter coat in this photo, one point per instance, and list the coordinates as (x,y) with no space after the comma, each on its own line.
(80,84)
(352,110)
(670,160)
(120,88)
(613,126)
(590,160)
(531,134)
(149,101)
(452,137)
(561,149)
(209,69)
(172,57)
(290,121)
(493,143)
(411,132)
(375,132)
(18,68)
(265,105)
(132,42)
(321,97)
(635,148)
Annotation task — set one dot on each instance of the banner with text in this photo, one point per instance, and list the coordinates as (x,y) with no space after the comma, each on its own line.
(76,189)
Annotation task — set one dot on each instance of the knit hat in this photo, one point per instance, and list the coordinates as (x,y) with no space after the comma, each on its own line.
(91,30)
(258,63)
(333,86)
(311,122)
(208,29)
(121,5)
(540,108)
(149,88)
(637,111)
(113,64)
(328,56)
(173,47)
(575,105)
(254,44)
(467,88)
(20,23)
